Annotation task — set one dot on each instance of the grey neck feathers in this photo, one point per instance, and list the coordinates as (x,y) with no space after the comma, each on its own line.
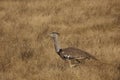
(56,44)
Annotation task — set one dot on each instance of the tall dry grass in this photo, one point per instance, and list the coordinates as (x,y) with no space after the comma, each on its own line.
(27,53)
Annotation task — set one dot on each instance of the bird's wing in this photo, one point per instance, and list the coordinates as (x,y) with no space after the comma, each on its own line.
(74,52)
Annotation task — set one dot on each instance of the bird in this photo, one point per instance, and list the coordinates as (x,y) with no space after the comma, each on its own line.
(70,53)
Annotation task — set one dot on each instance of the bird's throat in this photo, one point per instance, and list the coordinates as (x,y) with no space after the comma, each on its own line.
(56,44)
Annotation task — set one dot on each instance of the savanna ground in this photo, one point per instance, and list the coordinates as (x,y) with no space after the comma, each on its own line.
(27,52)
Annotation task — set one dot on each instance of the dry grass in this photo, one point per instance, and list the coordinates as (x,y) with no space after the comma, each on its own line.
(27,53)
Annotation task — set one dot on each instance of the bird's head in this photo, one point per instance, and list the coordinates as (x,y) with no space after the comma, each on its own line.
(54,34)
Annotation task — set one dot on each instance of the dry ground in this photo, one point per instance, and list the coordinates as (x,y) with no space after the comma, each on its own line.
(27,52)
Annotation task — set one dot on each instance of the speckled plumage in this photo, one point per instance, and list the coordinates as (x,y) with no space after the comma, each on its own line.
(70,53)
(74,53)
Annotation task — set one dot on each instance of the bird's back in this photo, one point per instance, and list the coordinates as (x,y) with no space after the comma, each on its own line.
(76,53)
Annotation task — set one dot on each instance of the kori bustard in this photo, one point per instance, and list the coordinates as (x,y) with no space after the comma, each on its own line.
(70,54)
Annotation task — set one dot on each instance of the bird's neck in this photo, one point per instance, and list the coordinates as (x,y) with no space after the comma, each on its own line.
(56,44)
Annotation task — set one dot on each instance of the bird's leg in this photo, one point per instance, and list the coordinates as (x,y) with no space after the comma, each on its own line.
(82,61)
(70,64)
(78,61)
